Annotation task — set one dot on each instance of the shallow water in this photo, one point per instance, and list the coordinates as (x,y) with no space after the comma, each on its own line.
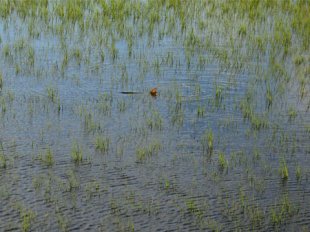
(176,186)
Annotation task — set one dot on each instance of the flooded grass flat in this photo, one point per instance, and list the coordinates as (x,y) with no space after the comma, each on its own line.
(223,146)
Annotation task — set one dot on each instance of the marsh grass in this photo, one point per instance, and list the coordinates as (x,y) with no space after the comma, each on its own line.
(298,173)
(146,152)
(47,158)
(3,105)
(4,192)
(6,51)
(3,160)
(105,103)
(283,169)
(121,105)
(155,121)
(200,111)
(218,95)
(1,80)
(92,188)
(76,152)
(62,222)
(282,211)
(52,93)
(292,114)
(269,96)
(27,216)
(207,142)
(102,144)
(222,162)
(72,181)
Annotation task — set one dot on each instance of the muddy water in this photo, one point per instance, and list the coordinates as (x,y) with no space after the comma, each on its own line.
(54,104)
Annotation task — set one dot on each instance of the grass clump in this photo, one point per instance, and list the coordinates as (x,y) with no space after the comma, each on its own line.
(92,188)
(292,114)
(298,60)
(283,170)
(269,96)
(242,29)
(102,144)
(76,153)
(298,173)
(3,160)
(1,80)
(257,122)
(52,94)
(207,142)
(143,153)
(222,162)
(47,158)
(6,50)
(192,207)
(27,217)
(72,181)
(200,111)
(281,212)
(155,121)
(62,221)
(218,95)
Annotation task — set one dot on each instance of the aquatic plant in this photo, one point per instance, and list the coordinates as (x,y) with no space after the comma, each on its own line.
(76,152)
(1,80)
(218,96)
(52,93)
(3,160)
(192,206)
(105,103)
(155,121)
(47,157)
(242,29)
(269,96)
(207,142)
(27,216)
(200,111)
(6,50)
(282,211)
(62,221)
(92,188)
(292,114)
(102,143)
(222,162)
(31,56)
(298,172)
(72,181)
(283,169)
(89,122)
(121,105)
(145,152)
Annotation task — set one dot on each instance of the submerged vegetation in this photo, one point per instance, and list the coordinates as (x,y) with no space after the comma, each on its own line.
(221,143)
